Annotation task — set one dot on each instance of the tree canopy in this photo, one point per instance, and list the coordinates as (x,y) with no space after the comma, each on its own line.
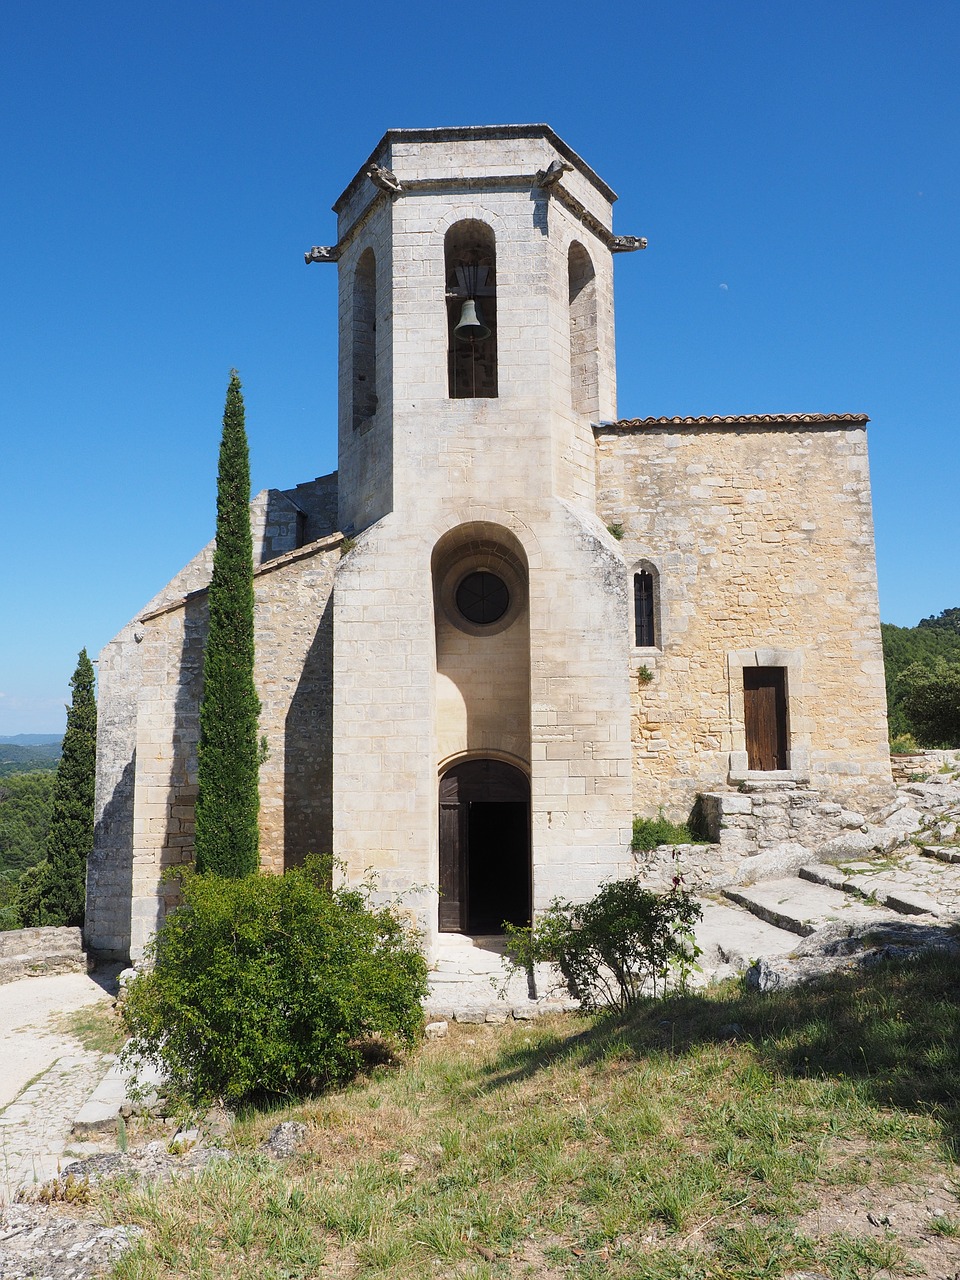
(924,644)
(53,891)
(228,803)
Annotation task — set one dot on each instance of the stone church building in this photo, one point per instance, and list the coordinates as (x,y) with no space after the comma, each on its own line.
(511,620)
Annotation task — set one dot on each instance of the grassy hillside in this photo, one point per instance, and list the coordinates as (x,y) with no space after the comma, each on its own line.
(722,1136)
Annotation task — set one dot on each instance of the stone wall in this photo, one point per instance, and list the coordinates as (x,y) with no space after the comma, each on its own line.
(769,829)
(150,685)
(759,532)
(38,952)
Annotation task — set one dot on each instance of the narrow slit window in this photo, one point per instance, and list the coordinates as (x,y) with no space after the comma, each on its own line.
(365,339)
(644,611)
(584,360)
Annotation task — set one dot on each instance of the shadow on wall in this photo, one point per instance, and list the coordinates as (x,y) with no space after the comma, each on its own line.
(178,843)
(110,878)
(308,753)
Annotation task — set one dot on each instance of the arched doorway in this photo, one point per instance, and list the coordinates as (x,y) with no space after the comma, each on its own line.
(484,847)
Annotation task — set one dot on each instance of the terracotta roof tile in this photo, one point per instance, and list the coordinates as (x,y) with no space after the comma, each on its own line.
(737,420)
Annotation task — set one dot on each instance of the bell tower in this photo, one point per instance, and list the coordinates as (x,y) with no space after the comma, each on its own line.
(506,225)
(480,633)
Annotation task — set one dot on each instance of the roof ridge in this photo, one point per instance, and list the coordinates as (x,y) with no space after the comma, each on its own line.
(741,419)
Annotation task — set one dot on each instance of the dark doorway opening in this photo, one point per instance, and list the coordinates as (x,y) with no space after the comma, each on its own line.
(765,717)
(484,847)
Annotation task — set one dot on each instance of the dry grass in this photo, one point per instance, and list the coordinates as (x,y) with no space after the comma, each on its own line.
(721,1135)
(96,1026)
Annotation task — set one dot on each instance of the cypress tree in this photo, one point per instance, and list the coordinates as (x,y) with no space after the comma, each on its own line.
(228,800)
(53,892)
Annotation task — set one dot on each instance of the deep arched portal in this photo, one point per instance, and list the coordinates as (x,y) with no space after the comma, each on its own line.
(485,867)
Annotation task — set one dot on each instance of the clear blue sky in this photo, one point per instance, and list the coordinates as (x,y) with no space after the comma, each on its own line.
(165,165)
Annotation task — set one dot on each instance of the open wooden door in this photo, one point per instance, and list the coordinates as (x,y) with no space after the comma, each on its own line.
(484,848)
(765,717)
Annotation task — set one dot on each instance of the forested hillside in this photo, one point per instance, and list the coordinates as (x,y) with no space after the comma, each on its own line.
(933,641)
(19,757)
(25,804)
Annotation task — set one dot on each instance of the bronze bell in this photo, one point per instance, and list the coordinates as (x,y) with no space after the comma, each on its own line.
(470,328)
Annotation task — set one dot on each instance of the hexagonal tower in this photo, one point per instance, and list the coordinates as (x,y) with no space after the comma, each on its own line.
(481,701)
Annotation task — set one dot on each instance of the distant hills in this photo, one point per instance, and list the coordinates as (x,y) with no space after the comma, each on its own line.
(32,739)
(27,751)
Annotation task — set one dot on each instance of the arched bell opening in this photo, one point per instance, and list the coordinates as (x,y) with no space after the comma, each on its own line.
(485,863)
(470,266)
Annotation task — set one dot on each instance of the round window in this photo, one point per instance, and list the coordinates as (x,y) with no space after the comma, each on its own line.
(483,597)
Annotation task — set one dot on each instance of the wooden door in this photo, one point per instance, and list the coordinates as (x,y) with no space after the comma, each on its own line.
(453,851)
(484,847)
(765,717)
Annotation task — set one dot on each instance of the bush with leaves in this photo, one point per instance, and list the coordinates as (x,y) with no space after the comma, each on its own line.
(930,697)
(626,942)
(650,833)
(273,985)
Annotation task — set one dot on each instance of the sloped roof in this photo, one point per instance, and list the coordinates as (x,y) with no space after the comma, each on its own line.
(738,420)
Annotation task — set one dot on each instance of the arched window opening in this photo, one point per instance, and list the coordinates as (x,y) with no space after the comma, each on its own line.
(365,339)
(469,250)
(644,610)
(584,360)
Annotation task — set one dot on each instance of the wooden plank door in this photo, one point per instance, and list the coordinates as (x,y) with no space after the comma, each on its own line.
(765,717)
(453,887)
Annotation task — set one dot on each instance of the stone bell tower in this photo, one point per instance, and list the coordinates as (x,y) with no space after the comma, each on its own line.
(481,703)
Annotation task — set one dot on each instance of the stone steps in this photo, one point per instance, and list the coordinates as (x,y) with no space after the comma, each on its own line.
(885,890)
(730,937)
(763,921)
(468,982)
(803,906)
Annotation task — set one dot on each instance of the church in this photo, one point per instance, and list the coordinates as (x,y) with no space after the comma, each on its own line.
(512,620)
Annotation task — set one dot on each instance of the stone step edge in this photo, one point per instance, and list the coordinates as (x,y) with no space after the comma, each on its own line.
(902,901)
(943,852)
(499,1013)
(783,921)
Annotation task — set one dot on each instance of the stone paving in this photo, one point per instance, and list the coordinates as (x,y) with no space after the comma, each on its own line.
(35,1129)
(909,872)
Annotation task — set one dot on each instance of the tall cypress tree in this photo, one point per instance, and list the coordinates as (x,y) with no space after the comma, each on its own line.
(228,802)
(53,892)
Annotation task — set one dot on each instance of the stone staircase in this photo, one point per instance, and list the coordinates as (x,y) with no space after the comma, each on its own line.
(744,924)
(792,884)
(889,905)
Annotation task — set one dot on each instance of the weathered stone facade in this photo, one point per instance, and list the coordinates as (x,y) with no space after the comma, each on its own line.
(759,532)
(445,630)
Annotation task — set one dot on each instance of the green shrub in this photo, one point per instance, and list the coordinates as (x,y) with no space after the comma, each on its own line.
(273,985)
(904,744)
(930,698)
(648,833)
(623,944)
